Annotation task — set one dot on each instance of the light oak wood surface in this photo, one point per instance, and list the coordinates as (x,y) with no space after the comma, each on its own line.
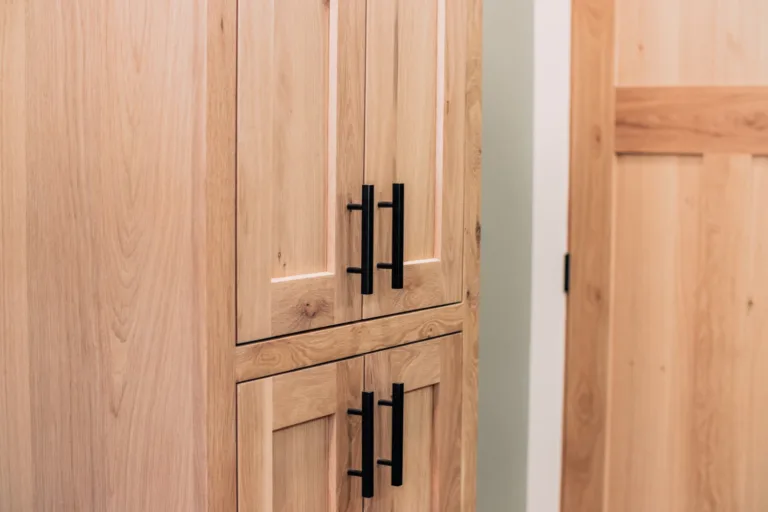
(591,211)
(472,241)
(266,358)
(300,150)
(692,120)
(415,126)
(665,360)
(16,463)
(220,255)
(117,224)
(431,372)
(296,440)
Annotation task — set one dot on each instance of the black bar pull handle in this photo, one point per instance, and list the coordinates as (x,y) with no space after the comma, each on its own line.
(366,473)
(396,462)
(398,234)
(366,264)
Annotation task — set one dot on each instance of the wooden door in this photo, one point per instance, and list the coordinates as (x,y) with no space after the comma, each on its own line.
(414,134)
(431,373)
(667,378)
(300,162)
(296,440)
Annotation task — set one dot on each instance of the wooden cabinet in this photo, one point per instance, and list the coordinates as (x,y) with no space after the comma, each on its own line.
(333,95)
(178,327)
(296,440)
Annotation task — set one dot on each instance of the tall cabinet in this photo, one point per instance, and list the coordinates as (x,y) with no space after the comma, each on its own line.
(240,255)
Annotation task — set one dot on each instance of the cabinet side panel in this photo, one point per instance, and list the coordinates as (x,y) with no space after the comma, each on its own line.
(114,163)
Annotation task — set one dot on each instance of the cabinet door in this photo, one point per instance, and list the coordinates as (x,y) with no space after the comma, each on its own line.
(431,373)
(296,441)
(414,135)
(300,161)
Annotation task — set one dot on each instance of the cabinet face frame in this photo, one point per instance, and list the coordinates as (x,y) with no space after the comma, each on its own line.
(257,360)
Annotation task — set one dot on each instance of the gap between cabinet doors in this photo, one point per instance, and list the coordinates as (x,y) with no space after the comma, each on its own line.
(331,96)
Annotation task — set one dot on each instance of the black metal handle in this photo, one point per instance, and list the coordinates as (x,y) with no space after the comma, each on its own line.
(366,264)
(397,404)
(398,234)
(368,456)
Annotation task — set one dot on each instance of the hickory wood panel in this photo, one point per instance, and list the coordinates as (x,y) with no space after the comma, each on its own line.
(415,122)
(291,460)
(108,249)
(432,456)
(266,358)
(472,239)
(691,42)
(692,120)
(220,254)
(591,213)
(688,358)
(16,466)
(300,148)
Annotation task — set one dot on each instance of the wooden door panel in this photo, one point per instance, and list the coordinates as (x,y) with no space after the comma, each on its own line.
(680,405)
(666,359)
(296,440)
(431,372)
(300,162)
(414,132)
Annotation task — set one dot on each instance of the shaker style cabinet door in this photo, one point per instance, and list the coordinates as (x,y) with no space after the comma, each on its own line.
(301,82)
(414,136)
(296,441)
(418,427)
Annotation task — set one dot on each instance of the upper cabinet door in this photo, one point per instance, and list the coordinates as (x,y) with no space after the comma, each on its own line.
(414,135)
(301,90)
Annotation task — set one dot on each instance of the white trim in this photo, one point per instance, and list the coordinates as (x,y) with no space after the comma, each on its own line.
(551,150)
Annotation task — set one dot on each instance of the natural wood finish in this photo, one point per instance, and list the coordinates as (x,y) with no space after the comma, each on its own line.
(16,464)
(415,127)
(294,454)
(589,305)
(220,255)
(688,357)
(692,120)
(472,241)
(691,42)
(664,368)
(282,355)
(433,414)
(117,223)
(300,158)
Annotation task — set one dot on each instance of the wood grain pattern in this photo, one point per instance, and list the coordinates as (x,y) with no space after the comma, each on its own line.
(294,455)
(472,242)
(282,355)
(415,122)
(300,147)
(685,353)
(691,42)
(220,255)
(16,470)
(108,208)
(692,120)
(433,414)
(589,304)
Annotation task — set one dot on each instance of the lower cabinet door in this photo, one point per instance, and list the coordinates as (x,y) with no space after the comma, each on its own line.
(299,434)
(430,375)
(296,440)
